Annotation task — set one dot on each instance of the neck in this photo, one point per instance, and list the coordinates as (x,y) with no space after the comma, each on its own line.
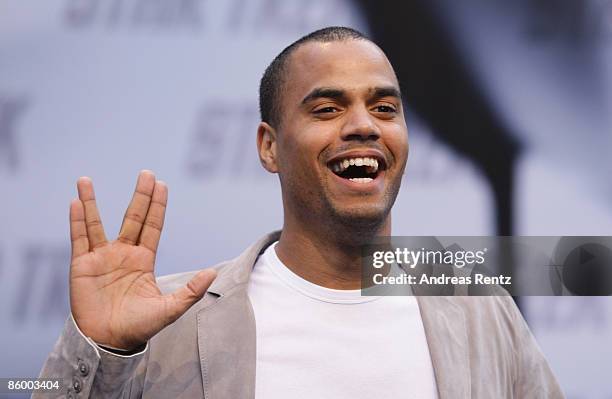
(329,256)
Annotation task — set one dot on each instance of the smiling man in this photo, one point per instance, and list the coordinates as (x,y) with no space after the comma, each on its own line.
(334,130)
(286,318)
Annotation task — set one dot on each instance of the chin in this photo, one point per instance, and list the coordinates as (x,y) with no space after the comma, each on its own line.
(369,216)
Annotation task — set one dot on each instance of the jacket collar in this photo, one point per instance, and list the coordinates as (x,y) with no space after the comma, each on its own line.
(236,272)
(226,334)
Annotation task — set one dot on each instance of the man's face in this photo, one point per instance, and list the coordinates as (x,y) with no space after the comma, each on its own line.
(342,142)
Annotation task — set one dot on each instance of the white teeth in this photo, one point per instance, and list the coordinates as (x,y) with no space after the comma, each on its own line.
(361,179)
(371,163)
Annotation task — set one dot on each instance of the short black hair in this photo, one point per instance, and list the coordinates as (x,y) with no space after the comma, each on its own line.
(273,79)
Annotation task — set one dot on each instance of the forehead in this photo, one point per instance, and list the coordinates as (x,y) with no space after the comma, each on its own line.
(352,65)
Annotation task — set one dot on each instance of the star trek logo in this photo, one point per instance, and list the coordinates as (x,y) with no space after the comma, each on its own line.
(134,13)
(42,283)
(242,17)
(222,143)
(11,110)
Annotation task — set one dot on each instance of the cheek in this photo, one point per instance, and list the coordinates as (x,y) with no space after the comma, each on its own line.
(397,142)
(301,177)
(297,164)
(302,148)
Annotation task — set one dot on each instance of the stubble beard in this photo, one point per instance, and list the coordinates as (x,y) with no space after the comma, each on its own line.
(359,225)
(328,219)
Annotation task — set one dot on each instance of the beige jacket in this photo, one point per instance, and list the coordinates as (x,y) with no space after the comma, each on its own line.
(480,348)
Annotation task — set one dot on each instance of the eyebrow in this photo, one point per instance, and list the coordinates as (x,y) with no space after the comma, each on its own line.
(337,94)
(387,91)
(324,92)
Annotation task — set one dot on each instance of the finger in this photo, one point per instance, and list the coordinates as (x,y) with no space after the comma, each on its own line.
(78,230)
(93,224)
(154,222)
(138,208)
(182,299)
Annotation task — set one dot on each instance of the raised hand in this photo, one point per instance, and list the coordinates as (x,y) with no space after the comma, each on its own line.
(113,294)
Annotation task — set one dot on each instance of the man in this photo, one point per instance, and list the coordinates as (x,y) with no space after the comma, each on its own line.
(286,318)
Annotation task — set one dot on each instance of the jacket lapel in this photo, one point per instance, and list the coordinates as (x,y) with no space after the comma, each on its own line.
(446,333)
(226,329)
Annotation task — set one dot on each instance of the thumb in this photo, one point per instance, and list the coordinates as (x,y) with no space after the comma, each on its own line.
(183,298)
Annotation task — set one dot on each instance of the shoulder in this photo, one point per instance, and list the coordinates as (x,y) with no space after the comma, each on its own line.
(490,313)
(493,323)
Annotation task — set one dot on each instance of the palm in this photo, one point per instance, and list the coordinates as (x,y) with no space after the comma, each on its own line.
(113,294)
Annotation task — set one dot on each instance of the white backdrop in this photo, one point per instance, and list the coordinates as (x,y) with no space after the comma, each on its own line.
(106,88)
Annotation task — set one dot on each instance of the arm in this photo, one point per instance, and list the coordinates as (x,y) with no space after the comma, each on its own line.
(91,371)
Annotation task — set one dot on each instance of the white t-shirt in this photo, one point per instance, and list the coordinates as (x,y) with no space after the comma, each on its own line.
(316,342)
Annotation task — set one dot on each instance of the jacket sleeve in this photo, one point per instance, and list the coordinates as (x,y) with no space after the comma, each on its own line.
(535,379)
(89,371)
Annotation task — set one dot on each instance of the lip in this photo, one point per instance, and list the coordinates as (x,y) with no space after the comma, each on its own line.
(366,153)
(376,185)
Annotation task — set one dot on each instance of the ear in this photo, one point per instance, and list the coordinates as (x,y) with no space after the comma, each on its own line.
(266,147)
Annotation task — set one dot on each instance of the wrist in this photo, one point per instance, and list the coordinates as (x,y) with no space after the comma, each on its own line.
(124,352)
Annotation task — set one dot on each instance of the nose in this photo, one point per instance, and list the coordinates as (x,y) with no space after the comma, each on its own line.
(360,126)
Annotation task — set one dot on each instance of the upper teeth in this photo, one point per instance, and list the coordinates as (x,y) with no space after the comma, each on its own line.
(340,166)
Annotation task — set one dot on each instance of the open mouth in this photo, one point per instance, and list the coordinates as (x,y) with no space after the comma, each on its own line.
(357,169)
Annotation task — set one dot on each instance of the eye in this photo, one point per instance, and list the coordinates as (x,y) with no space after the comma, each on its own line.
(384,108)
(326,110)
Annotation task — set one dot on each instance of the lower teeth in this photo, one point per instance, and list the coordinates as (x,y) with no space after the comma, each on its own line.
(361,179)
